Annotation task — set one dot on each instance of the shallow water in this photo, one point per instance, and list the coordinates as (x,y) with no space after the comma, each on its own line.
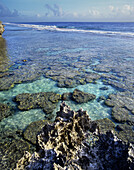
(79,47)
(21,119)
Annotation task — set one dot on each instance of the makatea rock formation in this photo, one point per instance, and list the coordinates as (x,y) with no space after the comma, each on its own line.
(73,141)
(1,29)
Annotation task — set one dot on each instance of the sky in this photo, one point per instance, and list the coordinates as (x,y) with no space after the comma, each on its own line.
(67,10)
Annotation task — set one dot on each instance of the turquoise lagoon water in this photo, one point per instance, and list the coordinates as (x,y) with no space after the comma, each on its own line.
(20,119)
(72,46)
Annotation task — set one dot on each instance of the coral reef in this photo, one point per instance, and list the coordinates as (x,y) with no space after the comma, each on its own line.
(73,141)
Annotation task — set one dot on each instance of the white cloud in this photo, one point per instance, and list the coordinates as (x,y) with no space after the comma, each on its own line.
(6,12)
(124,11)
(54,10)
(111,8)
(94,12)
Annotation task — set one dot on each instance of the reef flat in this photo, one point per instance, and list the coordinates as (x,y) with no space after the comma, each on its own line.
(95,73)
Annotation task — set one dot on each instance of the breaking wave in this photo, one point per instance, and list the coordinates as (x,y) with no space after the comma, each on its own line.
(73,29)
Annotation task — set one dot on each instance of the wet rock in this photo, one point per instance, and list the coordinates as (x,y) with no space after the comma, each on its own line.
(123,127)
(82,97)
(101,98)
(73,141)
(105,125)
(5,111)
(120,114)
(121,99)
(109,103)
(18,76)
(1,29)
(104,88)
(45,100)
(5,62)
(12,148)
(90,77)
(119,85)
(127,136)
(33,129)
(68,83)
(101,68)
(66,96)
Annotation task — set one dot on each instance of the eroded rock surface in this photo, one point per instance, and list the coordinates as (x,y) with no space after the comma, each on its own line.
(5,62)
(45,100)
(12,148)
(33,129)
(1,29)
(82,97)
(5,111)
(123,106)
(73,141)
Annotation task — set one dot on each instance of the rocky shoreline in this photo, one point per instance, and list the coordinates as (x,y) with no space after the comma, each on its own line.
(74,141)
(1,29)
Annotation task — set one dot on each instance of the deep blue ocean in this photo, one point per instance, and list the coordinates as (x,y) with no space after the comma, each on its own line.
(102,48)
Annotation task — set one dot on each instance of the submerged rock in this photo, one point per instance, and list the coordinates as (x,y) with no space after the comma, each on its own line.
(127,136)
(101,98)
(123,105)
(68,83)
(66,96)
(120,114)
(73,141)
(124,127)
(5,111)
(105,125)
(82,97)
(33,129)
(104,88)
(12,148)
(45,100)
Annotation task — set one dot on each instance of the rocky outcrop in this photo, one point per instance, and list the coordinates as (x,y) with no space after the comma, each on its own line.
(12,148)
(73,141)
(78,96)
(5,111)
(105,125)
(45,100)
(1,29)
(30,134)
(5,62)
(123,106)
(82,97)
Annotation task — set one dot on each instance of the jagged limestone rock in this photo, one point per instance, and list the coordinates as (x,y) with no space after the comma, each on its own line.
(73,141)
